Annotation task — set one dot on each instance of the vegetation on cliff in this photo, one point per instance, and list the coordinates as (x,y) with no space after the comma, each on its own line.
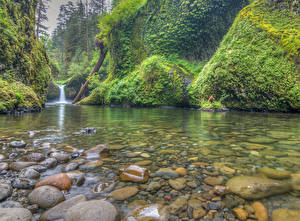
(24,65)
(257,64)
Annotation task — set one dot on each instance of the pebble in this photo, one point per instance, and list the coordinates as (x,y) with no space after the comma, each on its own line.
(29,173)
(60,157)
(213,181)
(167,172)
(155,212)
(97,152)
(3,166)
(180,204)
(5,189)
(14,214)
(24,183)
(178,184)
(240,213)
(61,181)
(35,157)
(18,166)
(181,171)
(49,163)
(17,144)
(260,211)
(134,173)
(124,193)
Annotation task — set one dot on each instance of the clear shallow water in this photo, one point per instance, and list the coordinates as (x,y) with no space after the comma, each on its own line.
(246,140)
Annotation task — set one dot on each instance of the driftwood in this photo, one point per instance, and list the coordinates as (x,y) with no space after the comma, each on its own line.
(95,70)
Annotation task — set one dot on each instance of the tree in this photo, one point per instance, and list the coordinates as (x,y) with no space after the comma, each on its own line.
(41,17)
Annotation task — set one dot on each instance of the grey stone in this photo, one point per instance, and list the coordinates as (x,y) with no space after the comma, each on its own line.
(94,210)
(46,196)
(49,163)
(17,144)
(23,183)
(10,204)
(5,189)
(15,214)
(29,173)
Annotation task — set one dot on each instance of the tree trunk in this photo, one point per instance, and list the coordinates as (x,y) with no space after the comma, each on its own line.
(95,70)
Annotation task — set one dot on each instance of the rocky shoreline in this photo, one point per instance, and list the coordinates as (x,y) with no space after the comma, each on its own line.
(67,185)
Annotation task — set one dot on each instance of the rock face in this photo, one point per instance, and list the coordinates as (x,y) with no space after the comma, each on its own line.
(274,174)
(15,214)
(94,210)
(46,196)
(286,215)
(134,173)
(124,193)
(155,212)
(59,210)
(250,187)
(97,152)
(5,189)
(61,181)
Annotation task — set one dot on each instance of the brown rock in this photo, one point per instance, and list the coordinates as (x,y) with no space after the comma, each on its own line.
(240,213)
(199,213)
(221,190)
(178,184)
(274,174)
(134,173)
(154,212)
(295,180)
(97,152)
(124,193)
(144,163)
(181,171)
(60,181)
(286,215)
(18,166)
(213,181)
(260,211)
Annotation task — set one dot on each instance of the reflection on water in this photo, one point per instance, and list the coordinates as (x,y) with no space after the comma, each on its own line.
(246,140)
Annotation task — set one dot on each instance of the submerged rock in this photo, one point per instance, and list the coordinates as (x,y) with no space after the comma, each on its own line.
(178,184)
(60,209)
(94,210)
(295,181)
(17,144)
(274,174)
(5,189)
(250,187)
(167,172)
(15,214)
(97,152)
(124,193)
(134,173)
(260,211)
(61,181)
(155,212)
(286,215)
(46,196)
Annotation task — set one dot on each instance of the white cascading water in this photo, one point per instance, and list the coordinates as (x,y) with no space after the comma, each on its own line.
(62,96)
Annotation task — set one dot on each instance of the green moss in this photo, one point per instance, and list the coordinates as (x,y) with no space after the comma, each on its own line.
(53,90)
(154,83)
(253,69)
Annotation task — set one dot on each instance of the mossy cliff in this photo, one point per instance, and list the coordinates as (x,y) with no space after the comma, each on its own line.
(257,65)
(174,32)
(24,65)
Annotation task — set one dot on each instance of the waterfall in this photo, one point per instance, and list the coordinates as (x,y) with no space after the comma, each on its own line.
(62,96)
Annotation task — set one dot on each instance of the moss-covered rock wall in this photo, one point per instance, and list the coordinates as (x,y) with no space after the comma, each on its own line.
(23,60)
(257,66)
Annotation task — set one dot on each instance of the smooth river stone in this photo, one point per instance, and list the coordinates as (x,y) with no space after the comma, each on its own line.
(124,193)
(134,173)
(17,144)
(46,196)
(295,181)
(97,152)
(274,174)
(61,181)
(153,212)
(60,209)
(286,215)
(94,210)
(250,187)
(167,172)
(178,184)
(18,166)
(260,211)
(5,189)
(2,157)
(15,214)
(35,157)
(3,166)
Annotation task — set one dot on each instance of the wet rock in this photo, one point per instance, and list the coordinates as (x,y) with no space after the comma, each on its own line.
(178,184)
(214,205)
(3,166)
(101,188)
(10,204)
(250,187)
(91,165)
(143,163)
(295,181)
(181,171)
(77,178)
(195,203)
(213,181)
(221,190)
(260,211)
(274,174)
(167,172)
(61,181)
(29,173)
(153,212)
(179,205)
(15,214)
(286,215)
(60,157)
(227,170)
(145,155)
(35,157)
(153,186)
(49,163)
(97,152)
(94,210)
(46,196)
(134,173)
(18,166)
(60,209)
(5,189)
(240,213)
(38,168)
(88,130)
(198,213)
(17,144)
(24,183)
(2,157)
(124,193)
(70,167)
